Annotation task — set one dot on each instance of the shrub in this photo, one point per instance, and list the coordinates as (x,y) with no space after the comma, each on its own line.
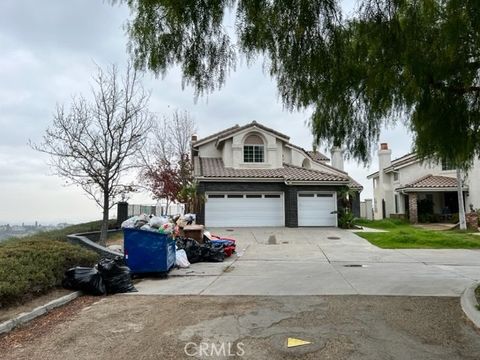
(346,220)
(33,265)
(455,218)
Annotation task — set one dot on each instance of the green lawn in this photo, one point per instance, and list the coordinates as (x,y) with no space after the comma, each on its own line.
(402,235)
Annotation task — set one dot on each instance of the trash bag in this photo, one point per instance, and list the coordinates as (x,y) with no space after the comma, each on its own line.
(84,279)
(181,259)
(129,223)
(158,221)
(197,252)
(116,275)
(192,249)
(212,252)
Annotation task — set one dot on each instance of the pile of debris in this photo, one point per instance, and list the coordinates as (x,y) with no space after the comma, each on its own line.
(193,244)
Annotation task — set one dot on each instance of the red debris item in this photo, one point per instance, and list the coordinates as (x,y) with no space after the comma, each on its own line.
(229,250)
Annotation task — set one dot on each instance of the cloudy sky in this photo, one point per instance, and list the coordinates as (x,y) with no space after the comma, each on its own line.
(48,53)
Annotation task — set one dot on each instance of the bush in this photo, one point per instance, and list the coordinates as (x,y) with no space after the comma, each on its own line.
(455,218)
(33,265)
(346,220)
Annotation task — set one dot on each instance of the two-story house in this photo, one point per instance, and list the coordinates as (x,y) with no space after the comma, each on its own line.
(400,186)
(252,175)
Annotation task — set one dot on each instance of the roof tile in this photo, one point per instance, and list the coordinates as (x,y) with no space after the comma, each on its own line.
(214,167)
(431,181)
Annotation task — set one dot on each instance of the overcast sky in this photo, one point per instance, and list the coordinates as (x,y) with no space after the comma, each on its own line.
(47,54)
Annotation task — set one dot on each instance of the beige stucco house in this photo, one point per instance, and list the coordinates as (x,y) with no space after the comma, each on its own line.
(400,185)
(252,175)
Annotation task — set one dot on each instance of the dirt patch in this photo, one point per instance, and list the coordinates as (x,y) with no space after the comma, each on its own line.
(12,311)
(35,329)
(339,327)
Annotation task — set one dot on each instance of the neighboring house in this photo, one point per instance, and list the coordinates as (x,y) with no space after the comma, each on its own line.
(252,175)
(401,185)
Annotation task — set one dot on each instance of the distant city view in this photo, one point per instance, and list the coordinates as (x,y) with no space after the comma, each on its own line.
(15,230)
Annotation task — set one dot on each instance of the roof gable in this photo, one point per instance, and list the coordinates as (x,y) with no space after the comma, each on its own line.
(230,132)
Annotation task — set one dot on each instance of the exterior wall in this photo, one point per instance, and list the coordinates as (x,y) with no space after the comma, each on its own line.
(290,196)
(227,153)
(297,158)
(473,186)
(287,155)
(272,148)
(279,153)
(209,150)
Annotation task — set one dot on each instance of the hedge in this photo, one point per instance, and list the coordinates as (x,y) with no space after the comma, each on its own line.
(33,265)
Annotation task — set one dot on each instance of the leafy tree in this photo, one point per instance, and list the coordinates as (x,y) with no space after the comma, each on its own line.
(94,143)
(162,180)
(417,61)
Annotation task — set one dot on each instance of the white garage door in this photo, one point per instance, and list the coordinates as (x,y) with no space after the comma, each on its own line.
(315,209)
(242,210)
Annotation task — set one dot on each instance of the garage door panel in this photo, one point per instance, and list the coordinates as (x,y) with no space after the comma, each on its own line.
(234,211)
(316,210)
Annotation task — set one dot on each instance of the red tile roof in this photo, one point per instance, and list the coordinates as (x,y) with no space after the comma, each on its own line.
(214,168)
(432,182)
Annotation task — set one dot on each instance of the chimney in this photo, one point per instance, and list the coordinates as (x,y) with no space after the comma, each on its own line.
(384,157)
(337,157)
(194,138)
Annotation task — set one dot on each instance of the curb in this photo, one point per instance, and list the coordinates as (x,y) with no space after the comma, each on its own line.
(38,311)
(469,305)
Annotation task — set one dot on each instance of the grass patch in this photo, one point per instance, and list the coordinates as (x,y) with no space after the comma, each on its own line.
(385,224)
(402,235)
(33,265)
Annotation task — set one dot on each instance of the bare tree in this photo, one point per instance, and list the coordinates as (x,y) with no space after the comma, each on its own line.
(95,142)
(171,138)
(168,151)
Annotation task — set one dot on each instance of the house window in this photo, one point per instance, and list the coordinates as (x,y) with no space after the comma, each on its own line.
(253,149)
(395,176)
(396,204)
(446,165)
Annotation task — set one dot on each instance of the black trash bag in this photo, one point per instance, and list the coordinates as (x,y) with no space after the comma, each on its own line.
(197,252)
(192,249)
(116,275)
(212,252)
(84,279)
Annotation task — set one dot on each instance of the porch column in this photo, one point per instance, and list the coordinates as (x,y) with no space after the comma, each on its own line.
(412,208)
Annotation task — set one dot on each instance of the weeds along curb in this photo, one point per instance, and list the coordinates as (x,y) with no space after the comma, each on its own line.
(23,318)
(469,304)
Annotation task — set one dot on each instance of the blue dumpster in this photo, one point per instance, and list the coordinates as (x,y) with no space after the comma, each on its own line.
(148,251)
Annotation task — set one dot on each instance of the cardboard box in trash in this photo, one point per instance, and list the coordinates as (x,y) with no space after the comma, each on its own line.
(194,232)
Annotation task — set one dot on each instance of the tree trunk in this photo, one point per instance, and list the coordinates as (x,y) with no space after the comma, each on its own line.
(104,228)
(461,205)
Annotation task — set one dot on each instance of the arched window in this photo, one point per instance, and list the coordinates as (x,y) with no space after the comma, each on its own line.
(253,149)
(306,164)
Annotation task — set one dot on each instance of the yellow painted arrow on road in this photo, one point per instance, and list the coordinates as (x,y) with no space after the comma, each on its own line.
(292,342)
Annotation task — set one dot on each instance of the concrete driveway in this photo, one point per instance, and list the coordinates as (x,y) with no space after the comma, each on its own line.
(320,261)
